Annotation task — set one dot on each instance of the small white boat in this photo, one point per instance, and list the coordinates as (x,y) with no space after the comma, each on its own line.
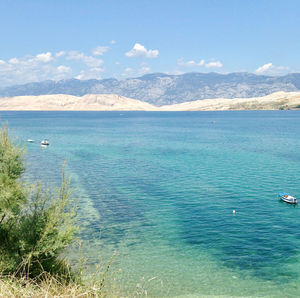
(45,142)
(30,141)
(287,198)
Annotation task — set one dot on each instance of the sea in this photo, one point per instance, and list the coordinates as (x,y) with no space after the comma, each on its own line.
(177,204)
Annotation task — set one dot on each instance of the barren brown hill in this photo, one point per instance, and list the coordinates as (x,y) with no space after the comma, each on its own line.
(63,102)
(274,101)
(111,102)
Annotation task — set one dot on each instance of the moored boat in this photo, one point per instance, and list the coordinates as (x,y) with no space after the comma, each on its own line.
(45,142)
(287,198)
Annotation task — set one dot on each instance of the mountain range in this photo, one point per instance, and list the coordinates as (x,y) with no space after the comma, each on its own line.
(162,89)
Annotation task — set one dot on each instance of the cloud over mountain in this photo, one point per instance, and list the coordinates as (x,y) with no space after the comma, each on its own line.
(139,50)
(271,69)
(53,66)
(192,63)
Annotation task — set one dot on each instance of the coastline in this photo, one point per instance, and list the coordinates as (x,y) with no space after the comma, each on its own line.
(111,102)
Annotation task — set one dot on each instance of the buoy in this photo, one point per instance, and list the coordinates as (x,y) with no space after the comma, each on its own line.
(233,211)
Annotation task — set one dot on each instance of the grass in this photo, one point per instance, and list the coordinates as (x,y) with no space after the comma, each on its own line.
(79,282)
(48,286)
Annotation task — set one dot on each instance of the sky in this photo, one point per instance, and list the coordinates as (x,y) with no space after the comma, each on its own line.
(89,39)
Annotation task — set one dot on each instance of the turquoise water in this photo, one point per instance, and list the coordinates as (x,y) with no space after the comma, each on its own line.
(160,188)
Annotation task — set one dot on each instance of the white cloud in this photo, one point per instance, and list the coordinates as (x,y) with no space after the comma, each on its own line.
(264,68)
(51,66)
(139,50)
(99,51)
(271,69)
(25,72)
(216,64)
(62,72)
(44,57)
(130,72)
(92,73)
(64,69)
(190,63)
(13,61)
(113,42)
(193,63)
(144,70)
(30,68)
(29,60)
(88,60)
(59,54)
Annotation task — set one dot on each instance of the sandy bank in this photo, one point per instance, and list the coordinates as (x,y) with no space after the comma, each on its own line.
(111,102)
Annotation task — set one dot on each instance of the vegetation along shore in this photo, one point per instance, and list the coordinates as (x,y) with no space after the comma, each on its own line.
(36,228)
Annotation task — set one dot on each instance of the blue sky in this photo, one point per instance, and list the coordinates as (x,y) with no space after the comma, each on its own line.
(85,39)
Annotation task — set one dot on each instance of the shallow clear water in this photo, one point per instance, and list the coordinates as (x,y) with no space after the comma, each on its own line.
(160,188)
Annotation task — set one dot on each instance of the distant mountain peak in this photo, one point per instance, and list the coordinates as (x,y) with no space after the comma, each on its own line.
(161,89)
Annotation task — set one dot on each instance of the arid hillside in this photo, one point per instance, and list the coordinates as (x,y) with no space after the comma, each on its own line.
(111,102)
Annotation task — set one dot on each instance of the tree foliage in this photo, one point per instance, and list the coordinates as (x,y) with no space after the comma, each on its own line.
(35,227)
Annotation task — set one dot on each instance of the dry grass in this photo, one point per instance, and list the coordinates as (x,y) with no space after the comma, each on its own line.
(48,287)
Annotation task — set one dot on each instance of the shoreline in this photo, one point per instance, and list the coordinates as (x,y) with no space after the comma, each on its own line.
(111,102)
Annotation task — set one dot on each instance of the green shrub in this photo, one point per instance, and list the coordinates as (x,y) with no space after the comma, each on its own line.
(35,227)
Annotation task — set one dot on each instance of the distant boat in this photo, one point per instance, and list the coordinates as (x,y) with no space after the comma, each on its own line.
(30,141)
(45,142)
(287,198)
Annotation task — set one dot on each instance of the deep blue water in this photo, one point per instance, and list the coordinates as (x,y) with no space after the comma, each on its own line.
(160,187)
